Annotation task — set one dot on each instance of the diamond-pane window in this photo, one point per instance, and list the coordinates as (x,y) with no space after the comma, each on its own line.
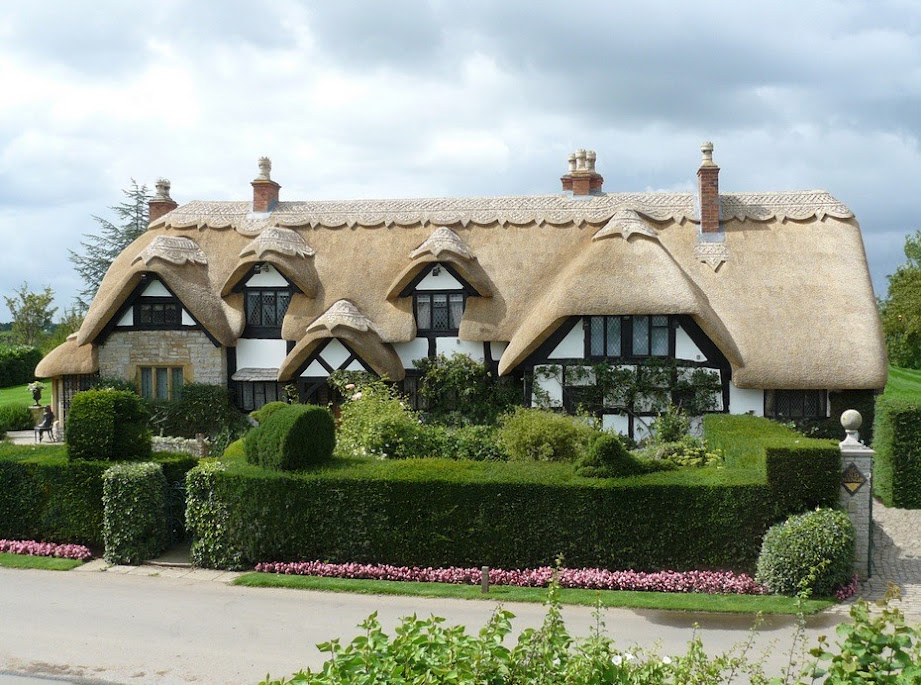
(439,311)
(640,336)
(266,308)
(612,346)
(596,336)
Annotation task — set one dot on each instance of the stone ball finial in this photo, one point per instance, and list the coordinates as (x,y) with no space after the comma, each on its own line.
(162,187)
(265,169)
(851,420)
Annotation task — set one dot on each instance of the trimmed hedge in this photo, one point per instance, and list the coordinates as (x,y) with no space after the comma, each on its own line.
(43,496)
(17,364)
(897,463)
(134,512)
(15,417)
(107,425)
(293,438)
(508,515)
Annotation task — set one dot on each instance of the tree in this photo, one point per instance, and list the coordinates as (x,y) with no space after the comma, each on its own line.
(32,314)
(100,249)
(70,322)
(901,310)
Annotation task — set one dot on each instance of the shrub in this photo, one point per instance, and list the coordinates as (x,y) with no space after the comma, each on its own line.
(262,414)
(15,417)
(134,526)
(477,443)
(818,543)
(107,425)
(17,364)
(293,438)
(897,463)
(671,426)
(375,422)
(112,383)
(687,452)
(607,457)
(540,435)
(201,408)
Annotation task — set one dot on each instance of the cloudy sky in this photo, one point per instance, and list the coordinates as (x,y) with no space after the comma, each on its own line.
(402,99)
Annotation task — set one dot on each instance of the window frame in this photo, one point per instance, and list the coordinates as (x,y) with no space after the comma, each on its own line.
(253,330)
(439,332)
(241,394)
(770,403)
(171,369)
(151,325)
(627,347)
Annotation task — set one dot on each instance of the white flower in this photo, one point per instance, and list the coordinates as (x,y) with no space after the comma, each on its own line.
(617,660)
(350,386)
(356,396)
(556,662)
(629,657)
(666,660)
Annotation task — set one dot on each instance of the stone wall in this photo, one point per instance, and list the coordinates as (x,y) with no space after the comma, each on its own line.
(124,351)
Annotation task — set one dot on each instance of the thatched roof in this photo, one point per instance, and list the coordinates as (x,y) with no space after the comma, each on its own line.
(786,295)
(68,359)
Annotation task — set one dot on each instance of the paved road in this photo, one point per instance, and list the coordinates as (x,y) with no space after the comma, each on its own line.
(125,628)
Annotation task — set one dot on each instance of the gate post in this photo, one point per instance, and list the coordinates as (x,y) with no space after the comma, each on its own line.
(856,493)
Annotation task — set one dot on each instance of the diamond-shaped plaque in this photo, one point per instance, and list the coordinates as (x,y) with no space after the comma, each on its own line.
(852,479)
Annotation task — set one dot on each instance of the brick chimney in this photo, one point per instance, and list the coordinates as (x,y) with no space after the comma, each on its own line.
(161,203)
(582,179)
(708,185)
(265,190)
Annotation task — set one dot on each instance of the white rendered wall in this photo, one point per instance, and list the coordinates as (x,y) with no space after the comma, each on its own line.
(268,278)
(451,346)
(412,350)
(260,354)
(617,423)
(443,281)
(685,347)
(335,353)
(572,346)
(155,289)
(745,400)
(315,370)
(497,349)
(128,318)
(549,379)
(187,319)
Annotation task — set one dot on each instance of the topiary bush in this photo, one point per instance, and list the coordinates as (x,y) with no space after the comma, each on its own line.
(540,435)
(15,417)
(107,425)
(608,457)
(897,464)
(292,439)
(819,542)
(134,522)
(262,414)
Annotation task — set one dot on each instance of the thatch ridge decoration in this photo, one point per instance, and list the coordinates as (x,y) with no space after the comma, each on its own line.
(282,241)
(173,249)
(343,313)
(443,239)
(798,206)
(626,223)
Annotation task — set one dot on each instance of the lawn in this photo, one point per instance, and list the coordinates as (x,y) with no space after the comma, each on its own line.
(28,561)
(903,382)
(674,601)
(19,394)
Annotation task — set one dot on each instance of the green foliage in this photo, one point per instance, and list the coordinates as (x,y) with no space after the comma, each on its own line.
(687,452)
(201,408)
(459,391)
(106,242)
(15,417)
(134,526)
(901,310)
(818,543)
(293,438)
(107,425)
(70,322)
(608,457)
(670,426)
(897,464)
(112,383)
(266,410)
(17,364)
(32,314)
(540,435)
(478,443)
(375,422)
(437,512)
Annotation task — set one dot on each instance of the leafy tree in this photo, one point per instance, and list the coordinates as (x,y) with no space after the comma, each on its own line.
(32,314)
(70,322)
(901,310)
(101,248)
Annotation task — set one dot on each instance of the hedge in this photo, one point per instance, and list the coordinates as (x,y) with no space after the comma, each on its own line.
(442,513)
(43,496)
(897,463)
(109,425)
(293,438)
(134,523)
(17,364)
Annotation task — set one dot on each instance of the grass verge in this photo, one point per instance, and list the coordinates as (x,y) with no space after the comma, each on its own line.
(676,601)
(28,561)
(19,394)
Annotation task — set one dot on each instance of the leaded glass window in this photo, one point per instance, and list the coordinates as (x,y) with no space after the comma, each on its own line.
(439,311)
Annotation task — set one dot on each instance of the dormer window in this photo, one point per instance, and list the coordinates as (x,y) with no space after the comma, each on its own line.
(157,312)
(628,336)
(265,311)
(439,312)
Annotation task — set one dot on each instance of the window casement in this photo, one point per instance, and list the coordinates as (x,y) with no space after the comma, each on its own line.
(439,312)
(609,337)
(157,312)
(160,382)
(796,404)
(265,311)
(253,395)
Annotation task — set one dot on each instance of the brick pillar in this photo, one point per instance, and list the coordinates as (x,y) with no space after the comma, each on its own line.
(856,493)
(708,187)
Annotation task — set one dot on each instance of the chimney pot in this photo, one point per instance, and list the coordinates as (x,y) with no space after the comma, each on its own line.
(265,190)
(582,179)
(708,186)
(161,203)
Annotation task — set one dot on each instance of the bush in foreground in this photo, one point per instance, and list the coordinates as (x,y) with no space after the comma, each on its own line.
(540,435)
(375,422)
(293,438)
(815,548)
(134,525)
(607,457)
(107,425)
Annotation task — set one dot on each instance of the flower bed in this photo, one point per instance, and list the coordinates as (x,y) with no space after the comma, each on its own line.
(45,549)
(710,582)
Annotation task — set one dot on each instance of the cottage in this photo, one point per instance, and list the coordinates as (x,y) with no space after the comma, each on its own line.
(768,292)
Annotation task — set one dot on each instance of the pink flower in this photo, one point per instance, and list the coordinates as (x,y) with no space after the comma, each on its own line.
(45,549)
